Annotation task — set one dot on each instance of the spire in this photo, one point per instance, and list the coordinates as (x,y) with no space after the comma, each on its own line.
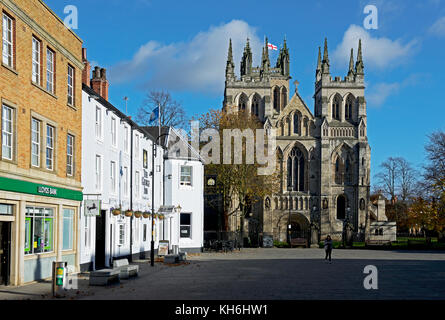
(230,67)
(246,61)
(325,62)
(265,63)
(351,63)
(229,55)
(359,64)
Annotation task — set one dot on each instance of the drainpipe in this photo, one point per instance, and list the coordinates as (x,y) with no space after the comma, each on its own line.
(131,193)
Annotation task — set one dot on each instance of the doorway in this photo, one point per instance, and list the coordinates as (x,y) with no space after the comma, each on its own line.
(99,260)
(341,207)
(5,252)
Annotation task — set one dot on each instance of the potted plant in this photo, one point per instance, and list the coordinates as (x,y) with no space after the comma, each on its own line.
(138,214)
(128,213)
(116,211)
(146,215)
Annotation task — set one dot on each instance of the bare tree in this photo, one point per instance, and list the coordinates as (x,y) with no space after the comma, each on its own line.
(171,111)
(397,178)
(407,179)
(434,174)
(387,177)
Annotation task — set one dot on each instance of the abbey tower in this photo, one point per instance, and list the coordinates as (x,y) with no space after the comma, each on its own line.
(324,155)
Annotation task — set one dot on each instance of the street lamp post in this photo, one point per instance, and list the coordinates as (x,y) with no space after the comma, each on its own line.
(152,247)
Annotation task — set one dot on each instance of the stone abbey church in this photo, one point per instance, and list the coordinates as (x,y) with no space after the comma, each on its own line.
(324,156)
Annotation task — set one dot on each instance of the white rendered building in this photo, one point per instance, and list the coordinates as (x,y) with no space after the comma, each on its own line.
(183,186)
(116,169)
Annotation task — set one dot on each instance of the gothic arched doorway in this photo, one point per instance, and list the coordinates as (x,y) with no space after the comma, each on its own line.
(298,230)
(341,207)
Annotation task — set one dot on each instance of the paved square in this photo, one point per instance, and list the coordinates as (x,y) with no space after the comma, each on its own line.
(275,274)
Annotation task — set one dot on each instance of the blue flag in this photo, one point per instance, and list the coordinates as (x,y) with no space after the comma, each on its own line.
(154,115)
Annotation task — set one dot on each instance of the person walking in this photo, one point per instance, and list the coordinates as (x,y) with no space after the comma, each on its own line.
(328,247)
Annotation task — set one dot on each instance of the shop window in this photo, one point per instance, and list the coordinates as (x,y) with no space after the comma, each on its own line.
(39,230)
(6,209)
(185,228)
(68,229)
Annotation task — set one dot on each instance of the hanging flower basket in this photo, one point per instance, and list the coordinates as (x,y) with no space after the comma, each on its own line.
(128,213)
(138,214)
(161,216)
(146,215)
(116,211)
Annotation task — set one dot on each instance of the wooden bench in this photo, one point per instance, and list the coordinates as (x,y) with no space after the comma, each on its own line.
(125,269)
(295,242)
(104,277)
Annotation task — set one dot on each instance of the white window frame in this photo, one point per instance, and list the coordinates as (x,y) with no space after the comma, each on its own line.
(136,231)
(7,135)
(35,142)
(186,225)
(70,83)
(137,189)
(50,146)
(98,123)
(50,70)
(36,60)
(186,183)
(113,131)
(70,156)
(98,172)
(87,238)
(126,135)
(126,181)
(121,234)
(113,177)
(8,41)
(136,146)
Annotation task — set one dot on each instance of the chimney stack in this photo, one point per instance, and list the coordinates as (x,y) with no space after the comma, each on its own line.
(87,69)
(99,82)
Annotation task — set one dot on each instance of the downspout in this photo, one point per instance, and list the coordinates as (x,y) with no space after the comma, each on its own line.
(131,194)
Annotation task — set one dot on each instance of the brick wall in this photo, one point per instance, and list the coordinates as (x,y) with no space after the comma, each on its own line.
(34,18)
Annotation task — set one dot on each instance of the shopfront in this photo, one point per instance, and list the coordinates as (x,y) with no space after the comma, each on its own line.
(38,225)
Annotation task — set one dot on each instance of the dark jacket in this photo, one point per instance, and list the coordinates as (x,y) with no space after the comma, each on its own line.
(328,244)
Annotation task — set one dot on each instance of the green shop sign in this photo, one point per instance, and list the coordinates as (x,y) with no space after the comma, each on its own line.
(20,186)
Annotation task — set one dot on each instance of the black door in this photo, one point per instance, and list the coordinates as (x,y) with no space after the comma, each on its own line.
(100,240)
(5,248)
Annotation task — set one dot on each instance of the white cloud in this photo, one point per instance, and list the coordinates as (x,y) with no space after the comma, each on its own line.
(197,65)
(378,93)
(438,28)
(377,52)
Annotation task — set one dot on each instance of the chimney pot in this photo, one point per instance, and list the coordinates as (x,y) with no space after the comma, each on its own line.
(103,73)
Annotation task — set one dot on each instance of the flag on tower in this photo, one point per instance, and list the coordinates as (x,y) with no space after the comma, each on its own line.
(271,46)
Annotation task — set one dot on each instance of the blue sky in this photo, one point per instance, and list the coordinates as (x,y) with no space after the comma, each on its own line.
(182,46)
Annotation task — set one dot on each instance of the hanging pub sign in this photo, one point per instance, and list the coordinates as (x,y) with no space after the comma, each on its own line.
(92,208)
